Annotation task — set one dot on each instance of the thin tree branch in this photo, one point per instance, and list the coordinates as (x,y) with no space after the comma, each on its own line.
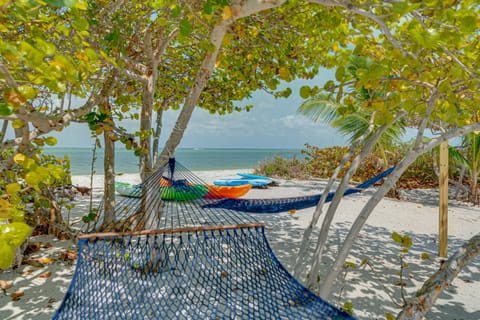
(417,307)
(470,72)
(383,26)
(400,168)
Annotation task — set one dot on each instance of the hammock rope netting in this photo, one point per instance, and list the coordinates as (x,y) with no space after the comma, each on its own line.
(292,203)
(148,258)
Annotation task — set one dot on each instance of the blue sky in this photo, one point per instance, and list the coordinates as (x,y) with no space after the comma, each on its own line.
(272,123)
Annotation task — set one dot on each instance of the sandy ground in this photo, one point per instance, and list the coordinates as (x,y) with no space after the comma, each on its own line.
(371,288)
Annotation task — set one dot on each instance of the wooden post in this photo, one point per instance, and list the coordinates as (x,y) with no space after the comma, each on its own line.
(443,185)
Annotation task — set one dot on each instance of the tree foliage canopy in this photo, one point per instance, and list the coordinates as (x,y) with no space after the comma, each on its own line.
(415,60)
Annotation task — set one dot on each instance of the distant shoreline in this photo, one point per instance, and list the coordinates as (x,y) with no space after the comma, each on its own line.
(182,148)
(192,158)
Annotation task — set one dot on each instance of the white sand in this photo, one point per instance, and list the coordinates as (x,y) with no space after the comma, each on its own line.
(366,289)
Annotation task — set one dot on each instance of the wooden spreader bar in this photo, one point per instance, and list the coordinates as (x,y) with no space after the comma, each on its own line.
(106,235)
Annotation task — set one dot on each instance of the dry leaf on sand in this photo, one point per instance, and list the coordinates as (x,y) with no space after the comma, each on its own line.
(16,295)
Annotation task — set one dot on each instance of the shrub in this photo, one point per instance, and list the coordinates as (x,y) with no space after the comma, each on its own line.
(283,168)
(321,162)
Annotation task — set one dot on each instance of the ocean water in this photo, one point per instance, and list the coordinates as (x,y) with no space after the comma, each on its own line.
(192,158)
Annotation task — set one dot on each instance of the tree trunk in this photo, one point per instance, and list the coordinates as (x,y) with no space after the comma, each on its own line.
(327,283)
(158,132)
(240,9)
(424,298)
(146,127)
(203,75)
(357,226)
(319,208)
(459,184)
(4,130)
(334,271)
(109,182)
(323,236)
(474,187)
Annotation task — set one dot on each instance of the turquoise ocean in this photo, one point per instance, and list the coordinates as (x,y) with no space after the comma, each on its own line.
(192,158)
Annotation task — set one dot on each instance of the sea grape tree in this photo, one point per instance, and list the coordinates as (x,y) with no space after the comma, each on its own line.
(423,60)
(135,58)
(44,61)
(198,53)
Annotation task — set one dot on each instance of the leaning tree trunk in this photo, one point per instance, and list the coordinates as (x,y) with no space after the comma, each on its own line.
(203,75)
(240,9)
(424,298)
(54,212)
(334,271)
(298,268)
(158,132)
(319,208)
(327,284)
(323,236)
(146,127)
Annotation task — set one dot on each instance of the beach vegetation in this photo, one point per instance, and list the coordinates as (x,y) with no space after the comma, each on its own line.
(415,62)
(418,71)
(175,55)
(351,118)
(293,168)
(321,163)
(467,156)
(40,73)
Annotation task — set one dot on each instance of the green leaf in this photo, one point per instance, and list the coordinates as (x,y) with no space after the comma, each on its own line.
(28,92)
(397,237)
(15,233)
(425,256)
(5,109)
(389,316)
(185,27)
(91,54)
(7,253)
(340,73)
(208,8)
(305,92)
(348,307)
(113,37)
(158,4)
(69,3)
(55,3)
(17,123)
(407,241)
(176,11)
(329,85)
(468,24)
(47,48)
(400,7)
(81,4)
(162,21)
(51,141)
(80,24)
(284,93)
(32,178)
(12,188)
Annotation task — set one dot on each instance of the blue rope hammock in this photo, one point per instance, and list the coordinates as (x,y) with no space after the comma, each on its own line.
(153,259)
(286,204)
